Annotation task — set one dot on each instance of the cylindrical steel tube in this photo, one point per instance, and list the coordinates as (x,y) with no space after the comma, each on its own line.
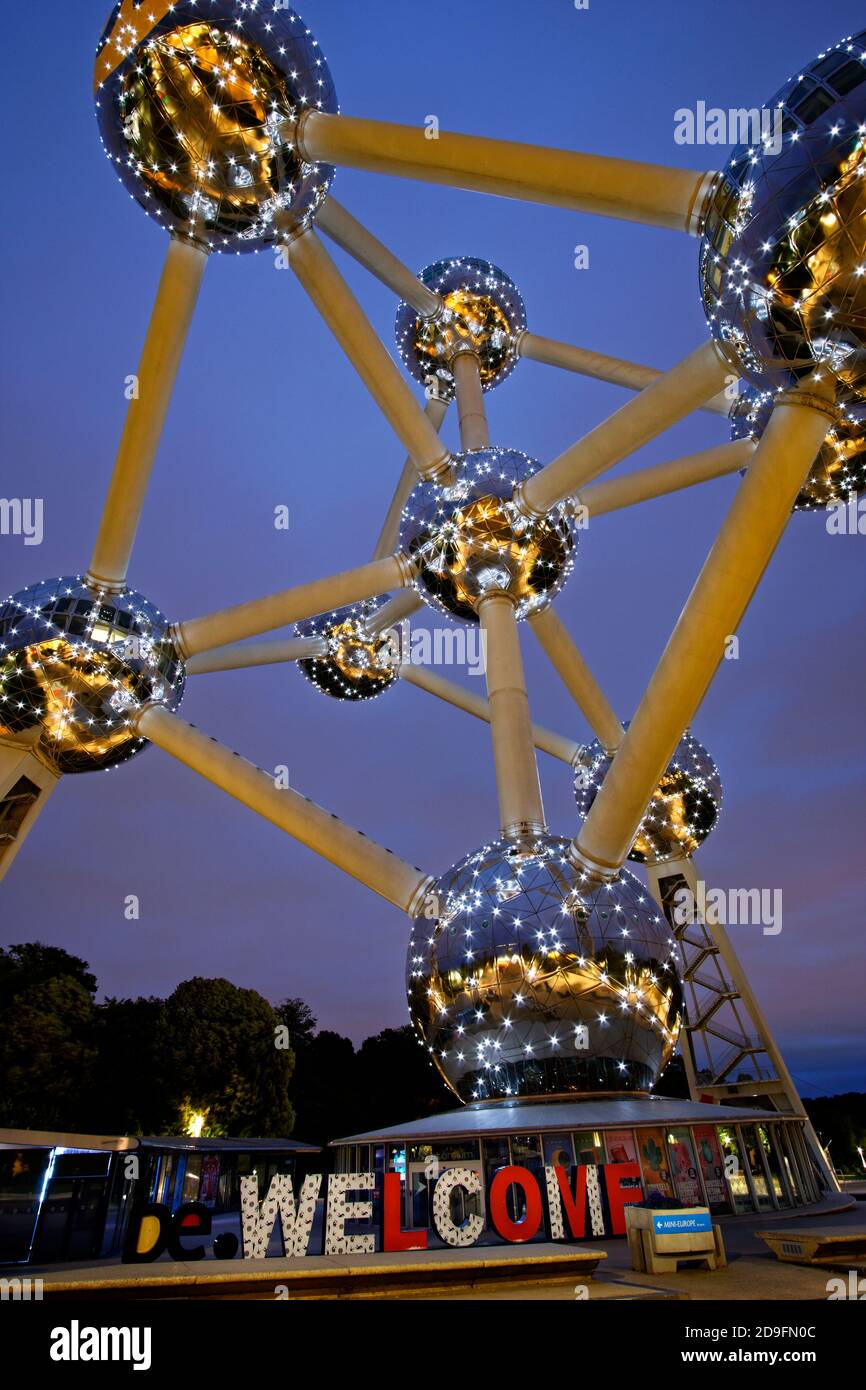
(291,605)
(740,554)
(520,806)
(157,371)
(377,868)
(648,193)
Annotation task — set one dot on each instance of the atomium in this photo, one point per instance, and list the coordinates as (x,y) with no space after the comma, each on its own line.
(483,314)
(75,665)
(532,981)
(197,114)
(467,538)
(783,256)
(840,468)
(526,976)
(685,806)
(358,663)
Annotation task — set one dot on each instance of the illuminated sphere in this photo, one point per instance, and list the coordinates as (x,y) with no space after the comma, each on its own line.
(467,539)
(75,665)
(535,982)
(358,665)
(840,468)
(784,242)
(191,110)
(483,311)
(684,808)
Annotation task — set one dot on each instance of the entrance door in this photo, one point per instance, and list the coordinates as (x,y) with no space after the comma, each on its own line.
(70,1223)
(420,1179)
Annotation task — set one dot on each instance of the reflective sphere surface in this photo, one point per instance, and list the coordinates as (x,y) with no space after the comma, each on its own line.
(191,112)
(75,664)
(467,538)
(358,664)
(531,981)
(685,806)
(483,311)
(783,256)
(840,468)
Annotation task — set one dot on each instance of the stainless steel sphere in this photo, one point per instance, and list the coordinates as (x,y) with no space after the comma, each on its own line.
(483,311)
(531,981)
(75,664)
(840,468)
(357,664)
(467,538)
(193,111)
(783,256)
(684,808)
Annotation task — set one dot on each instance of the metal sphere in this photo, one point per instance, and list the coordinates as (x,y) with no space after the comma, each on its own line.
(75,665)
(191,111)
(483,312)
(532,981)
(468,539)
(358,664)
(684,808)
(784,242)
(840,468)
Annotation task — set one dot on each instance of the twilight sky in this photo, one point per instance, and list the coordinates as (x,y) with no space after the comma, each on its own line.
(267,412)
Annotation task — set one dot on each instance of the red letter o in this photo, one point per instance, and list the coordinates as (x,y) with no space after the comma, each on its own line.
(515,1231)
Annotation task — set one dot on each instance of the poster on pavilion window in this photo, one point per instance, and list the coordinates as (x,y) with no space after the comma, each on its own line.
(654,1162)
(621,1147)
(684,1168)
(712,1167)
(210,1177)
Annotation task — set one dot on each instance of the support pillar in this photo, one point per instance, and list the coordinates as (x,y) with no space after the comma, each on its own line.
(577,678)
(713,611)
(291,605)
(520,808)
(25,786)
(389,537)
(377,868)
(157,371)
(726,1029)
(649,193)
(474,433)
(350,326)
(672,396)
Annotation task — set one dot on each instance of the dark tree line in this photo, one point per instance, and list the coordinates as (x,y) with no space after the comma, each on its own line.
(135,1066)
(841,1122)
(339,1090)
(148,1065)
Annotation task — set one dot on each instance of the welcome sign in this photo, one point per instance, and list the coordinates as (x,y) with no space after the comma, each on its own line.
(579,1203)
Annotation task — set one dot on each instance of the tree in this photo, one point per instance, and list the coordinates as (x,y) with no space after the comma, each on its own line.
(32,963)
(324,1090)
(397,1080)
(47,1055)
(129,1092)
(841,1122)
(337,1091)
(300,1021)
(217,1052)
